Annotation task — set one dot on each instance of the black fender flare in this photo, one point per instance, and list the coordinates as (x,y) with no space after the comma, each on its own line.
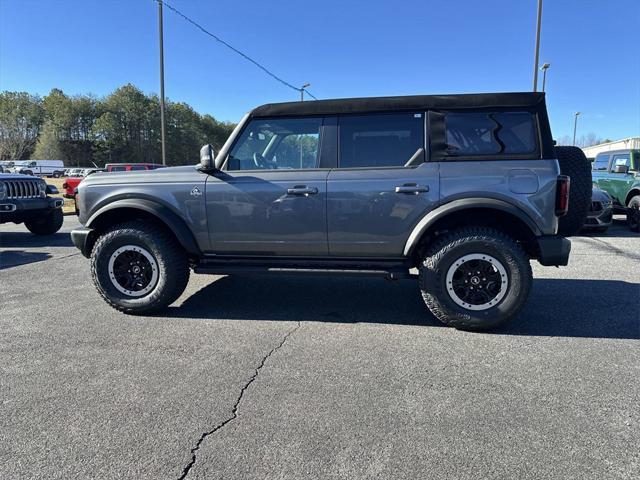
(162,212)
(465,204)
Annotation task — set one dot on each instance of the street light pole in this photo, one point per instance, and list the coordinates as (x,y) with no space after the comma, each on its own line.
(544,68)
(575,126)
(302,91)
(537,54)
(162,131)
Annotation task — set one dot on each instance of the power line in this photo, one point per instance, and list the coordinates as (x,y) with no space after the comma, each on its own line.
(245,56)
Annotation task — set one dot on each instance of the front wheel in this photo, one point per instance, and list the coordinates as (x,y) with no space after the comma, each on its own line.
(475,278)
(633,214)
(49,224)
(139,268)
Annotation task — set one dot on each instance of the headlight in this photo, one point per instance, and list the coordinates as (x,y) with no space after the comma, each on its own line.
(3,191)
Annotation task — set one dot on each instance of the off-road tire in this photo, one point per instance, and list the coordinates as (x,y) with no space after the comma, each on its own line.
(46,225)
(173,266)
(574,163)
(633,214)
(447,250)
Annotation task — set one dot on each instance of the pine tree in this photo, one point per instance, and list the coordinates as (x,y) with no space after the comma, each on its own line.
(48,146)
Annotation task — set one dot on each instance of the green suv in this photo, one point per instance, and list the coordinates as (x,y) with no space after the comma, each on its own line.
(618,173)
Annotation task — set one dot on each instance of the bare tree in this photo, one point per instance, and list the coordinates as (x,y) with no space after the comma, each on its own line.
(21,116)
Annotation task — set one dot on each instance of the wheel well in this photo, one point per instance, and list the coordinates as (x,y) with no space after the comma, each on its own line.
(500,220)
(630,195)
(121,215)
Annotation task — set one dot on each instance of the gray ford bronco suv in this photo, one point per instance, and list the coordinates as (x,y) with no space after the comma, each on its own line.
(465,188)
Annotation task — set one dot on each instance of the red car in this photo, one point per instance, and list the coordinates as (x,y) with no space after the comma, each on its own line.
(71,183)
(127,167)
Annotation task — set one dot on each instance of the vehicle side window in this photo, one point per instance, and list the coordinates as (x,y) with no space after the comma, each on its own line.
(490,133)
(138,167)
(291,143)
(621,159)
(384,140)
(601,163)
(118,169)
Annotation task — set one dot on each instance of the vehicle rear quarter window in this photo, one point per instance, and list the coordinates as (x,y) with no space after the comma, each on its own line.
(268,144)
(503,133)
(384,140)
(601,163)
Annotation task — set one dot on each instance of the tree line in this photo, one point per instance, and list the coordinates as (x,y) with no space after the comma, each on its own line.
(124,126)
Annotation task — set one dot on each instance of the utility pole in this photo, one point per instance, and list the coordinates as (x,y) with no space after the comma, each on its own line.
(302,91)
(575,126)
(544,68)
(162,132)
(537,54)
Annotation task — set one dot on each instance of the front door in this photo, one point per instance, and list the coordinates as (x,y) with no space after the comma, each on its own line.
(270,199)
(620,183)
(382,187)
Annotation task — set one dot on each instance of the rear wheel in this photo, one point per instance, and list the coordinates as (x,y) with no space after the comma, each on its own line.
(47,224)
(475,278)
(574,163)
(633,214)
(139,267)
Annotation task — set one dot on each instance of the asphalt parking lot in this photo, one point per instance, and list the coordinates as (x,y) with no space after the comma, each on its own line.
(316,378)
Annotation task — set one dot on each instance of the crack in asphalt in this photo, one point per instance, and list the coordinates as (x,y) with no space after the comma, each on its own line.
(234,411)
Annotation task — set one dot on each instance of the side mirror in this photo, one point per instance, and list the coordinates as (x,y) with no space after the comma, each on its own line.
(621,169)
(207,158)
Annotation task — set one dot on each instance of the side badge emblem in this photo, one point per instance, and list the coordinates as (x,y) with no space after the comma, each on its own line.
(195,192)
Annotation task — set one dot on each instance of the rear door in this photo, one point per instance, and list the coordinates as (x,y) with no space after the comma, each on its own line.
(381,187)
(271,197)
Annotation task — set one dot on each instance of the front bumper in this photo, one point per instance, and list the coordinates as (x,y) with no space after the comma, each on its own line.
(83,238)
(19,210)
(553,251)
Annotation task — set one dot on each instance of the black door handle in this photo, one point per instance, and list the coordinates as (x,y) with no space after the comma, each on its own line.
(302,190)
(412,189)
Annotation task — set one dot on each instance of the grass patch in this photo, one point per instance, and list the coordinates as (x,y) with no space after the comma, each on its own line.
(69,206)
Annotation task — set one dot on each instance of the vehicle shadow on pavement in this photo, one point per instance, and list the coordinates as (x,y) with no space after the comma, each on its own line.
(291,298)
(14,258)
(618,229)
(26,239)
(557,307)
(579,308)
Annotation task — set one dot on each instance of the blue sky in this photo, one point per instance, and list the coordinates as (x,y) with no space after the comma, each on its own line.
(344,48)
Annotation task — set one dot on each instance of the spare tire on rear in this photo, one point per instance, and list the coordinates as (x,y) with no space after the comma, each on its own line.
(574,163)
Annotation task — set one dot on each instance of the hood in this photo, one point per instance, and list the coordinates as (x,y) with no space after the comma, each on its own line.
(160,175)
(598,195)
(17,176)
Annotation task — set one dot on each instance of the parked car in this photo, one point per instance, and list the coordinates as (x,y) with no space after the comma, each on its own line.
(465,188)
(128,167)
(42,168)
(24,199)
(71,183)
(6,166)
(618,173)
(600,215)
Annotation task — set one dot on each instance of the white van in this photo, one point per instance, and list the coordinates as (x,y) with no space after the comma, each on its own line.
(42,168)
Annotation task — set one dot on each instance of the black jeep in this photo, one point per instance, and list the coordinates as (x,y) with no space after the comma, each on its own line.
(24,199)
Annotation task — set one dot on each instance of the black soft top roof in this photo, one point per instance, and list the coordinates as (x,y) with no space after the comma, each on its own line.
(414,102)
